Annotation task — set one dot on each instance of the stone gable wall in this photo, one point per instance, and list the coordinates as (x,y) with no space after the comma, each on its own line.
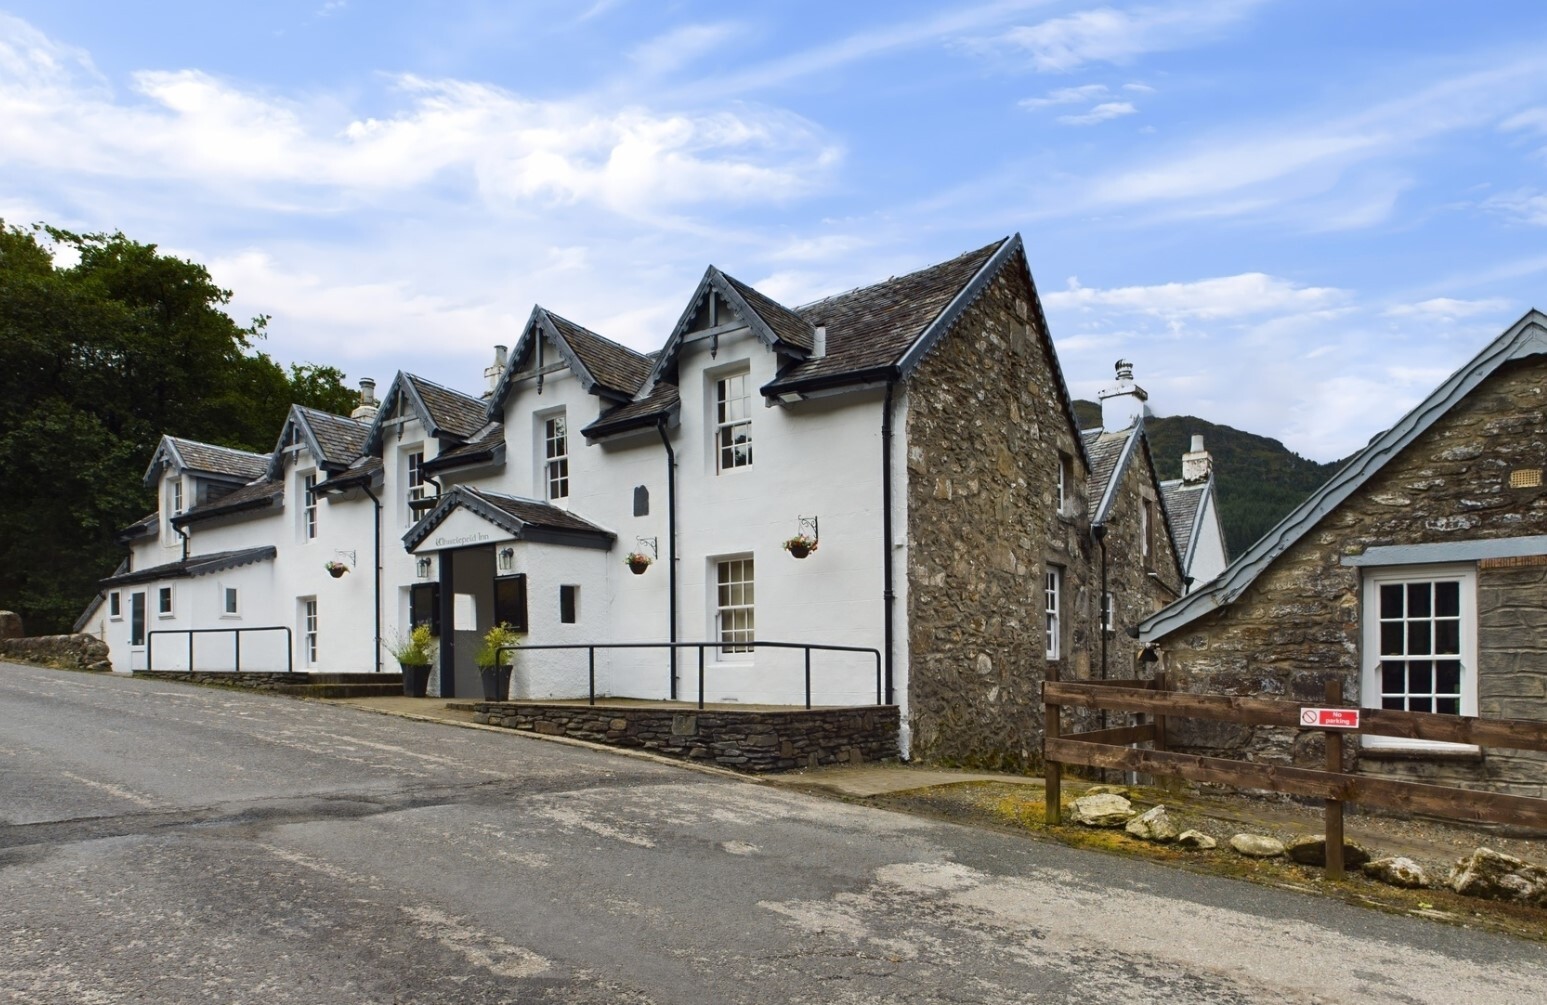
(1297,625)
(985,427)
(1135,594)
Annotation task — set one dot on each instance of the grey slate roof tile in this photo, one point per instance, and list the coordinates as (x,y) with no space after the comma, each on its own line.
(207,458)
(341,438)
(616,367)
(258,495)
(538,514)
(662,400)
(1182,502)
(452,411)
(1105,450)
(785,323)
(197,565)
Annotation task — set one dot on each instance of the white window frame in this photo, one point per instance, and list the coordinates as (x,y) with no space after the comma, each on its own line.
(308,485)
(1052,611)
(115,606)
(230,602)
(413,483)
(733,417)
(1065,469)
(1370,686)
(555,454)
(1147,532)
(169,594)
(175,496)
(1108,613)
(734,602)
(309,631)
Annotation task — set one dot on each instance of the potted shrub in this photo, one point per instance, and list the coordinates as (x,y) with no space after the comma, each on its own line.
(335,569)
(414,653)
(637,562)
(800,545)
(495,666)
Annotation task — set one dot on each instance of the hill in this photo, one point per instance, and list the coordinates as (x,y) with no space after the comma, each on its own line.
(1258,479)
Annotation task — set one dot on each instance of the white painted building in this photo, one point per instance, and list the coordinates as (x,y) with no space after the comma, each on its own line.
(754,423)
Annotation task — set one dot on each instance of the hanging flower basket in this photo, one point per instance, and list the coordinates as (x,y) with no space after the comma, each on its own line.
(336,569)
(800,545)
(637,562)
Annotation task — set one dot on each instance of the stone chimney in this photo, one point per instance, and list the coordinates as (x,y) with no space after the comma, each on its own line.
(366,410)
(492,374)
(1197,464)
(1124,401)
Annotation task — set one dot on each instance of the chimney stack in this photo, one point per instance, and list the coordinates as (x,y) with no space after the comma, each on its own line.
(1124,401)
(492,374)
(1197,463)
(366,410)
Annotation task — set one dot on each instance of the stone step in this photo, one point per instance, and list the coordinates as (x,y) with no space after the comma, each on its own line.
(377,690)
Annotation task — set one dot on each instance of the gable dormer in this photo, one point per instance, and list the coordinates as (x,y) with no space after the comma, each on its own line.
(550,345)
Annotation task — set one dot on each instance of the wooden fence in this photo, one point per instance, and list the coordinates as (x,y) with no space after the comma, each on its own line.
(1115,748)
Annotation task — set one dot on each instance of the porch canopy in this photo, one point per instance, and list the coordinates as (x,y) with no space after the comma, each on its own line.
(466,517)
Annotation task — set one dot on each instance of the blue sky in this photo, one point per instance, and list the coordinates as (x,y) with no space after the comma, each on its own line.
(1295,217)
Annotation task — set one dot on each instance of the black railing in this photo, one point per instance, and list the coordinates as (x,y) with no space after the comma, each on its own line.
(150,640)
(702,647)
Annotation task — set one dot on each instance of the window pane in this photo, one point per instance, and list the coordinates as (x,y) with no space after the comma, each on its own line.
(1418,638)
(1391,600)
(1391,638)
(1394,702)
(1420,704)
(1447,599)
(1418,600)
(1447,677)
(1420,677)
(1448,706)
(1393,678)
(1447,637)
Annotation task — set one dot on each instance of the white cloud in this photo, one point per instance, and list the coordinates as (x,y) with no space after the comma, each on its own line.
(1448,308)
(1525,206)
(187,126)
(1533,119)
(1100,113)
(679,47)
(1107,35)
(1068,96)
(1246,295)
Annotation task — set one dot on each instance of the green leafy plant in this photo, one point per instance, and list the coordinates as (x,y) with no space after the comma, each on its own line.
(416,649)
(634,558)
(335,569)
(800,543)
(502,634)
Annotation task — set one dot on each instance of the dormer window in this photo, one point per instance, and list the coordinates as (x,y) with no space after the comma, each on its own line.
(175,497)
(414,482)
(733,421)
(309,507)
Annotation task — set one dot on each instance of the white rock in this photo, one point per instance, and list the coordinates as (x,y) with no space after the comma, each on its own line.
(1102,810)
(1153,825)
(1398,871)
(1196,841)
(1257,846)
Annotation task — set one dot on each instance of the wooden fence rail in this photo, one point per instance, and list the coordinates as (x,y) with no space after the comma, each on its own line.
(1115,748)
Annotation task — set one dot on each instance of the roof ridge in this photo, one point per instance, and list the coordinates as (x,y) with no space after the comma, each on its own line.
(895,278)
(442,387)
(593,332)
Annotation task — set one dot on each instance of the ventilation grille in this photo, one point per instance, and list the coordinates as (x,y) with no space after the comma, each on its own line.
(1525,478)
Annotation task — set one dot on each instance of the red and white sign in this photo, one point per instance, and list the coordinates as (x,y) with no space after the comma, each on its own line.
(1330,718)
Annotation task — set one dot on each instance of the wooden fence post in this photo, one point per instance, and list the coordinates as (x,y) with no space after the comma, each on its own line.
(1334,827)
(1052,771)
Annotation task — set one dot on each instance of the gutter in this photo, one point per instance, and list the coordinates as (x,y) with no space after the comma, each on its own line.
(671,547)
(888,594)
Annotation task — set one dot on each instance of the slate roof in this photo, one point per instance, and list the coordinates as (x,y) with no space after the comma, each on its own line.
(874,327)
(790,327)
(616,367)
(1183,502)
(1106,451)
(207,459)
(259,495)
(197,565)
(523,518)
(482,447)
(1525,338)
(143,527)
(662,400)
(340,438)
(360,472)
(450,411)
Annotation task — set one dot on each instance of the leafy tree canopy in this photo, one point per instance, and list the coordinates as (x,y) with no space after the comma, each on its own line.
(97,360)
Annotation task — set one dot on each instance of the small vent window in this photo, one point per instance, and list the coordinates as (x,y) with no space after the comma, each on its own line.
(641,501)
(1525,478)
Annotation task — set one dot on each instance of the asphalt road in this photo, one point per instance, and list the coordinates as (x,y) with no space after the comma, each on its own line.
(161,843)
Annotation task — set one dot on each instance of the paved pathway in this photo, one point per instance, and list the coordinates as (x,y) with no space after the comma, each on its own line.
(166,843)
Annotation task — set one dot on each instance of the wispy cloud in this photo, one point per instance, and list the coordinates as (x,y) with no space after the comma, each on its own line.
(1448,308)
(1100,113)
(679,47)
(1109,35)
(1524,206)
(1101,100)
(1250,294)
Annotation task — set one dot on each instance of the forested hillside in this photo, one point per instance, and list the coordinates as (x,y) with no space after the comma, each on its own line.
(97,360)
(1258,479)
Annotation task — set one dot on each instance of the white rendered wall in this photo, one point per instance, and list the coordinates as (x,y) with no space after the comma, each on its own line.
(1208,559)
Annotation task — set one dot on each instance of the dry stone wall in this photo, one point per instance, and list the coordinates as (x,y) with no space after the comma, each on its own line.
(75,652)
(1298,624)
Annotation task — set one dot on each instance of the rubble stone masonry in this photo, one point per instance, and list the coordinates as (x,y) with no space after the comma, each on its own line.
(985,427)
(1298,624)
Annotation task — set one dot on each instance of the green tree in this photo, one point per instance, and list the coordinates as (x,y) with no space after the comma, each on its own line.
(97,361)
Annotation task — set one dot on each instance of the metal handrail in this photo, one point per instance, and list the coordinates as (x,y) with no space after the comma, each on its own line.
(150,641)
(701,647)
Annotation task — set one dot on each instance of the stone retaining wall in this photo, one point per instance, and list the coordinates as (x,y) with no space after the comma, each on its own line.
(744,740)
(73,652)
(265,680)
